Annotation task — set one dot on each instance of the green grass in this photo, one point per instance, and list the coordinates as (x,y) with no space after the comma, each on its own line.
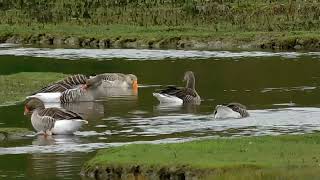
(158,23)
(164,36)
(268,154)
(226,15)
(156,32)
(16,87)
(13,130)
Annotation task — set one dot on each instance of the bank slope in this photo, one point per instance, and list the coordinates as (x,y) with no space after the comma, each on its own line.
(260,157)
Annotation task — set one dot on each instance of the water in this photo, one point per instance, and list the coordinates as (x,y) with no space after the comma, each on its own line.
(280,89)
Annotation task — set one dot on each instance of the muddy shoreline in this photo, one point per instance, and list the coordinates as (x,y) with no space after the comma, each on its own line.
(259,42)
(138,172)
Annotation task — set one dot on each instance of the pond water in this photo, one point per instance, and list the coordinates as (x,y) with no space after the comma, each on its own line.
(281,91)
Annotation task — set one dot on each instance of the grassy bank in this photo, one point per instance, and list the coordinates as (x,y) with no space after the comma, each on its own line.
(221,15)
(184,37)
(193,24)
(295,156)
(13,133)
(16,87)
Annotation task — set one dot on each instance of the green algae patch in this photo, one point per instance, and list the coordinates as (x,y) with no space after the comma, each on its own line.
(209,158)
(13,133)
(15,87)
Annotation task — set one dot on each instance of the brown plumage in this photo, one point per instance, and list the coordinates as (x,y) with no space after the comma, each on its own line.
(74,81)
(240,108)
(187,94)
(62,85)
(44,119)
(231,110)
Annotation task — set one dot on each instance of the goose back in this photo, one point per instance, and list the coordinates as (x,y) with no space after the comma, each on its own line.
(231,110)
(72,95)
(241,109)
(62,85)
(188,95)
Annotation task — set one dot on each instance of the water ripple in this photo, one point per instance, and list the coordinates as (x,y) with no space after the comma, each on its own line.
(181,126)
(141,54)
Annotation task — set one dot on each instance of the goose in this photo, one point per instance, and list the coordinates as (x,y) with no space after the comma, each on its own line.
(180,95)
(83,92)
(231,110)
(109,80)
(69,82)
(119,80)
(50,121)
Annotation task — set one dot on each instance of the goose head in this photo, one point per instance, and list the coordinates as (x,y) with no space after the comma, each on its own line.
(132,79)
(190,79)
(31,104)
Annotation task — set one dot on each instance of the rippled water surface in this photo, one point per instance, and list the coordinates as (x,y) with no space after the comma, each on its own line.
(280,89)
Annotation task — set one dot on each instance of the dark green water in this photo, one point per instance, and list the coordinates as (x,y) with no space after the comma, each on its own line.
(281,91)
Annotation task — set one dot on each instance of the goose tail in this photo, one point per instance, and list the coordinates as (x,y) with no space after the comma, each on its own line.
(165,98)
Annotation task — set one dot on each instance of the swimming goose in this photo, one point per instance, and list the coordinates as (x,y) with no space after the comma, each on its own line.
(52,120)
(119,80)
(115,80)
(231,110)
(180,95)
(83,92)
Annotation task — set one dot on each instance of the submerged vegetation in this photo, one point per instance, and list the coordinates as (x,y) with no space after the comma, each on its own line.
(277,156)
(16,87)
(192,24)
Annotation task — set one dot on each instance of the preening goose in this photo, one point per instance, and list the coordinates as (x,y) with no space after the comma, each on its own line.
(180,95)
(231,110)
(69,82)
(109,80)
(81,92)
(52,120)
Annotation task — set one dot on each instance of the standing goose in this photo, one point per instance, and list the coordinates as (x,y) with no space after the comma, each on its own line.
(83,92)
(231,110)
(52,120)
(180,95)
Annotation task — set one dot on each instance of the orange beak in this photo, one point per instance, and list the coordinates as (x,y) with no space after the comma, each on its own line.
(135,84)
(26,110)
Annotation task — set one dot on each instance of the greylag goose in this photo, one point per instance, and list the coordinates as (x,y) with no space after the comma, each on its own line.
(69,82)
(74,81)
(231,110)
(180,95)
(83,92)
(119,80)
(52,120)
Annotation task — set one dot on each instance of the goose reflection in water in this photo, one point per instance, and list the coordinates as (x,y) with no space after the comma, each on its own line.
(95,109)
(56,140)
(185,108)
(45,165)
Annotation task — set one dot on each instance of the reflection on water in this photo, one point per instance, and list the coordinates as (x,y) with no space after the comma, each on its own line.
(282,98)
(95,109)
(173,108)
(87,110)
